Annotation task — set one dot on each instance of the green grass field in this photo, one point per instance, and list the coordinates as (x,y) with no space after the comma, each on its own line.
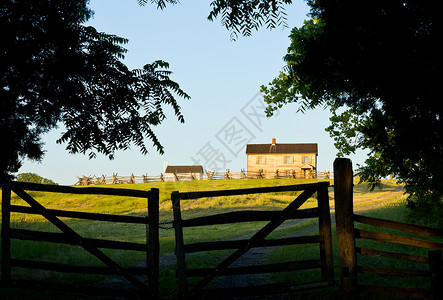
(385,203)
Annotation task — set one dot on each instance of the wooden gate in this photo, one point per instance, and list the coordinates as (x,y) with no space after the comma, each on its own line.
(430,266)
(69,236)
(240,247)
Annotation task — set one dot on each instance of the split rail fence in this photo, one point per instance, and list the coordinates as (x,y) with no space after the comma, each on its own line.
(347,236)
(240,247)
(116,179)
(71,237)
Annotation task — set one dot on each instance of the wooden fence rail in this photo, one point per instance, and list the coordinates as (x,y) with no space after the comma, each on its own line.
(240,247)
(69,236)
(347,235)
(116,179)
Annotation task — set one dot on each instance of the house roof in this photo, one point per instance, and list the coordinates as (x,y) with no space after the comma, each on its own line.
(184,169)
(281,148)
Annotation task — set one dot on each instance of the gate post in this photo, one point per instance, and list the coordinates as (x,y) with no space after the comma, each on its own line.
(179,244)
(436,270)
(324,222)
(6,242)
(153,243)
(343,195)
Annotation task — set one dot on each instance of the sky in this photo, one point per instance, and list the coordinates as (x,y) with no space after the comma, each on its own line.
(223,78)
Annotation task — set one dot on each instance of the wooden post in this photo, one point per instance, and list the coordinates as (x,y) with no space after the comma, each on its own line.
(6,242)
(436,270)
(153,244)
(343,190)
(260,173)
(324,223)
(179,243)
(176,177)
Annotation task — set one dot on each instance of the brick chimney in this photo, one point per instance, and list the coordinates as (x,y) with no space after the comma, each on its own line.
(273,141)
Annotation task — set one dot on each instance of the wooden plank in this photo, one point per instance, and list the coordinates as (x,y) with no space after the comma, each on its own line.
(259,236)
(61,238)
(78,239)
(396,291)
(66,268)
(81,190)
(392,272)
(396,239)
(234,192)
(225,245)
(259,269)
(415,229)
(410,257)
(153,244)
(6,227)
(83,215)
(246,216)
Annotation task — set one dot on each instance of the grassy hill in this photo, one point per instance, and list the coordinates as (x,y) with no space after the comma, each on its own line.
(381,203)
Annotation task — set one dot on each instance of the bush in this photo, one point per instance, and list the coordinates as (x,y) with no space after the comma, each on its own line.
(34,178)
(425,211)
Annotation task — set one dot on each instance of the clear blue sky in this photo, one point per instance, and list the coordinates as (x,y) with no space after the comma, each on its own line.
(222,77)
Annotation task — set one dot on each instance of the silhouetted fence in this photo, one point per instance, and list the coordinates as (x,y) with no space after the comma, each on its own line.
(71,237)
(240,247)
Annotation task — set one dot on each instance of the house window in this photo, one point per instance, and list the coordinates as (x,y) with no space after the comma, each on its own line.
(305,159)
(288,160)
(260,160)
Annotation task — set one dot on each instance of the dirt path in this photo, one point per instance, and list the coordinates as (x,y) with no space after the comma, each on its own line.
(377,202)
(257,256)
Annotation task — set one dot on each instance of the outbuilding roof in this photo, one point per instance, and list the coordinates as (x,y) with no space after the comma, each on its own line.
(282,148)
(184,169)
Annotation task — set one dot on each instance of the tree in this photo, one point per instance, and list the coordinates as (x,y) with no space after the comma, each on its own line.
(375,65)
(241,16)
(56,70)
(34,178)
